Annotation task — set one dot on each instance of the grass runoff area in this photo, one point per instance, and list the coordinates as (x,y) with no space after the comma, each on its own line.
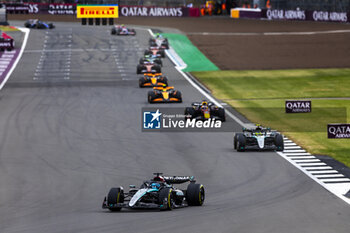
(190,54)
(8,28)
(261,95)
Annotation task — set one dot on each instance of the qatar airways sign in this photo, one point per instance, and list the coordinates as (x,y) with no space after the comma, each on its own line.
(330,16)
(338,130)
(286,14)
(298,106)
(152,11)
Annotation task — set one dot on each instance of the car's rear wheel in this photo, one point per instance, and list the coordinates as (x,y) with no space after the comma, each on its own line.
(178,95)
(151,96)
(115,196)
(138,69)
(141,82)
(195,194)
(279,142)
(157,69)
(166,198)
(189,113)
(221,114)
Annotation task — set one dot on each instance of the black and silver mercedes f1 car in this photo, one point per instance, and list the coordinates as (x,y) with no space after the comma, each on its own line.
(204,111)
(150,58)
(38,24)
(159,40)
(156,193)
(258,138)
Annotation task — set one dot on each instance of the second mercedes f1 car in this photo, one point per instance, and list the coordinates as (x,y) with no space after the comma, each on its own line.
(258,138)
(153,80)
(204,111)
(164,95)
(157,193)
(36,23)
(150,58)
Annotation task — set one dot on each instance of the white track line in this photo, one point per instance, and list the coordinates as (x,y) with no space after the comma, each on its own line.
(25,39)
(329,175)
(268,33)
(336,189)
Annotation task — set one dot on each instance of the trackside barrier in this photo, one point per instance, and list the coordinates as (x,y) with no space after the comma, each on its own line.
(302,15)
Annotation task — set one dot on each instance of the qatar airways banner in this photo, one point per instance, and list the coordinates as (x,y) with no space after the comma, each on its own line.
(149,11)
(154,11)
(323,16)
(52,9)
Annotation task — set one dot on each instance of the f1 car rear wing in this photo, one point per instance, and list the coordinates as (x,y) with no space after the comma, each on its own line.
(179,179)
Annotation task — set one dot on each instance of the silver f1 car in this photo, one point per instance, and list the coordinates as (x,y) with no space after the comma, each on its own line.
(157,193)
(258,138)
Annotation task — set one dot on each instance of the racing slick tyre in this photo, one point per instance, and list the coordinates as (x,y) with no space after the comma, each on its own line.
(189,113)
(235,140)
(115,196)
(195,194)
(138,69)
(133,32)
(151,97)
(159,62)
(51,26)
(241,142)
(221,114)
(162,53)
(165,81)
(113,31)
(178,95)
(279,142)
(166,198)
(141,82)
(157,68)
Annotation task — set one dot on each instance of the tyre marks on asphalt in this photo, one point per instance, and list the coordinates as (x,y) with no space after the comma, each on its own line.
(319,170)
(125,50)
(55,60)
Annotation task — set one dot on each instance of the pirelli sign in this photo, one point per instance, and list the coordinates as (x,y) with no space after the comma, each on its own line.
(97,12)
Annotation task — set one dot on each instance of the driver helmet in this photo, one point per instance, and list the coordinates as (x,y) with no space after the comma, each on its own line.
(155,185)
(204,103)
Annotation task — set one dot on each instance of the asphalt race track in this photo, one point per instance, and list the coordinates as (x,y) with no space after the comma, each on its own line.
(70,129)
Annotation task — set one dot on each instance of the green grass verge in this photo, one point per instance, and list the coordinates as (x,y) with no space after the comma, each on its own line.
(8,28)
(190,54)
(261,95)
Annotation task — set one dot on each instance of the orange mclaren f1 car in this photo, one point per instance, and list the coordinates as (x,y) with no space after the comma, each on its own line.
(164,95)
(153,80)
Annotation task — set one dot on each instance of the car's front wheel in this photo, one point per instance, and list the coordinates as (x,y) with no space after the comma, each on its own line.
(166,198)
(195,194)
(115,196)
